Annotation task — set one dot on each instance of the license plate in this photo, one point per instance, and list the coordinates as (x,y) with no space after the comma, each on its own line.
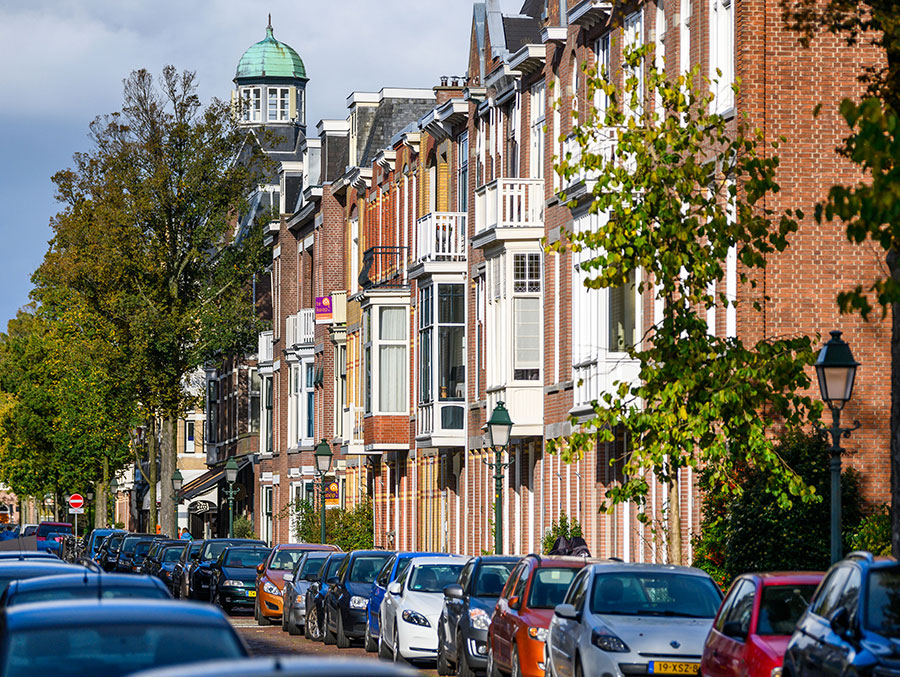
(673,668)
(251,593)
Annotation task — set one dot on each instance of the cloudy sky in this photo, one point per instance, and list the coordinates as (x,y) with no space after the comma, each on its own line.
(64,62)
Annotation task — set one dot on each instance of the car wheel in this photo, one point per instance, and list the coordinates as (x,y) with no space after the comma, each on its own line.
(516,668)
(579,671)
(443,666)
(284,620)
(260,619)
(369,642)
(310,628)
(396,646)
(492,670)
(294,629)
(327,635)
(343,642)
(462,658)
(384,651)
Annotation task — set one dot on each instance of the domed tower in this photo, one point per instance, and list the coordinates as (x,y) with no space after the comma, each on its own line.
(271,83)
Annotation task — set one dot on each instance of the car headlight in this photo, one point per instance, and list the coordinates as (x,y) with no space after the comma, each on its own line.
(776,672)
(415,618)
(357,602)
(300,600)
(540,634)
(479,619)
(605,639)
(230,583)
(271,588)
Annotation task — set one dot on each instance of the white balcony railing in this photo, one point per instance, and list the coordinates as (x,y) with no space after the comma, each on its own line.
(441,236)
(425,419)
(264,352)
(509,203)
(300,328)
(573,154)
(353,425)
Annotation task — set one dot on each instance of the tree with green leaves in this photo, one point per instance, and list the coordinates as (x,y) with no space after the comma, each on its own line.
(871,207)
(147,240)
(678,190)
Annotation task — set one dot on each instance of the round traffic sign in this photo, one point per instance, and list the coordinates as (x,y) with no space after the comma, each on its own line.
(76,501)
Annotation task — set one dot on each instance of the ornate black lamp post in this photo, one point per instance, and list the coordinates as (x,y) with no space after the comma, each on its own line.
(323,465)
(499,427)
(836,370)
(231,471)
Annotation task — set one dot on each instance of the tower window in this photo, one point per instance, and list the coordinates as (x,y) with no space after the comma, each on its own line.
(251,100)
(279,104)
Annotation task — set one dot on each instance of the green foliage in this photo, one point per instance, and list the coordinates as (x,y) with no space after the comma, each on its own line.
(874,533)
(750,532)
(561,527)
(351,529)
(679,189)
(243,527)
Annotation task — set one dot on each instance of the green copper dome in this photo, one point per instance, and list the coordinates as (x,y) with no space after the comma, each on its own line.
(269,58)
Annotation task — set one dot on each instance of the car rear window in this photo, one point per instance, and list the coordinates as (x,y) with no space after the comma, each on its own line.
(781,607)
(434,577)
(83,649)
(311,567)
(549,587)
(628,593)
(284,560)
(364,569)
(45,529)
(491,578)
(87,592)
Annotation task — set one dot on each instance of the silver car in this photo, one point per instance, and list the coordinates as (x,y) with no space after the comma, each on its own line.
(307,569)
(627,619)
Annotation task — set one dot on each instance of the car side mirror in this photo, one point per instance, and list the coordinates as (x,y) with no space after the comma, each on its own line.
(453,592)
(395,588)
(513,602)
(735,630)
(839,620)
(566,611)
(334,580)
(289,578)
(260,567)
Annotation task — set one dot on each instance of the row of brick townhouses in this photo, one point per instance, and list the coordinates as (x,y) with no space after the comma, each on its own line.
(410,291)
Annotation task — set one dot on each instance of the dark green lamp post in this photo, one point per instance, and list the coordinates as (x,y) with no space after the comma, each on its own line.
(323,465)
(231,471)
(836,370)
(499,428)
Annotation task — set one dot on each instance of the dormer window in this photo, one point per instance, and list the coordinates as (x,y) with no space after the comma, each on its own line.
(251,104)
(279,104)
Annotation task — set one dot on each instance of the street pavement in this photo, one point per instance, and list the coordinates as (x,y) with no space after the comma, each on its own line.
(271,640)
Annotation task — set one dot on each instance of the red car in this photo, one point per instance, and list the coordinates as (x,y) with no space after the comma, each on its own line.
(45,528)
(755,622)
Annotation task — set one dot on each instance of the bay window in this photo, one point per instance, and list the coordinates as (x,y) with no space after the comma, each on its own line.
(279,104)
(527,313)
(392,362)
(301,404)
(426,333)
(251,104)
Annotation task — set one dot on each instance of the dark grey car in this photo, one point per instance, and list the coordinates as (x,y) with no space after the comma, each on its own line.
(306,571)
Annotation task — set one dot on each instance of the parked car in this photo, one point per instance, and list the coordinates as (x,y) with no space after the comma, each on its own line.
(82,586)
(233,581)
(412,606)
(112,544)
(11,570)
(270,578)
(348,596)
(52,543)
(195,583)
(306,571)
(282,666)
(391,570)
(125,557)
(653,618)
(466,614)
(28,529)
(182,568)
(520,621)
(755,623)
(852,624)
(164,563)
(151,562)
(111,637)
(315,596)
(141,550)
(26,554)
(94,541)
(46,529)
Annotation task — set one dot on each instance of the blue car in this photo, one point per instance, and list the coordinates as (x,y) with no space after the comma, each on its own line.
(347,600)
(95,539)
(396,565)
(315,596)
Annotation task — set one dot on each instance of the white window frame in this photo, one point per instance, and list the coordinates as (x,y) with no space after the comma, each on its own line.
(373,347)
(721,54)
(278,104)
(538,120)
(190,432)
(634,37)
(529,287)
(462,172)
(251,104)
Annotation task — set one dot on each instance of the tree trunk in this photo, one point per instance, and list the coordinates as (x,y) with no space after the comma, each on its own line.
(893,262)
(168,460)
(676,555)
(153,448)
(100,493)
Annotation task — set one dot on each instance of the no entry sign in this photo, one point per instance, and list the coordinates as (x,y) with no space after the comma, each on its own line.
(76,501)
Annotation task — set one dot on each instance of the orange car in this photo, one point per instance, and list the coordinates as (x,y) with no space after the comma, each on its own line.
(523,613)
(270,578)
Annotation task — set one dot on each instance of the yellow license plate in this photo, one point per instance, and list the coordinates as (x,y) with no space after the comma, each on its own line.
(673,668)
(251,593)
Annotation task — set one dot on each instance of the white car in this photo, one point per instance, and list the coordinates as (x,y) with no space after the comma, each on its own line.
(412,606)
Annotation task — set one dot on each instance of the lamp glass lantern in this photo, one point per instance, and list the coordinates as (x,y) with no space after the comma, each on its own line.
(231,471)
(836,370)
(323,457)
(177,480)
(499,426)
(113,485)
(90,495)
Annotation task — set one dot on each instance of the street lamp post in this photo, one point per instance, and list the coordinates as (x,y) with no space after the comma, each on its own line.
(114,490)
(177,483)
(836,370)
(323,465)
(231,471)
(499,427)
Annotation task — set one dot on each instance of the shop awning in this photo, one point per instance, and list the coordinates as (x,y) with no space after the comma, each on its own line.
(211,477)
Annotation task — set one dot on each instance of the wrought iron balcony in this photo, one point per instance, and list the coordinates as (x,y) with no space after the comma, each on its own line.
(384,267)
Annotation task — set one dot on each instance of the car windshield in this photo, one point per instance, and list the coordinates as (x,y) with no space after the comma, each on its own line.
(883,602)
(491,578)
(195,548)
(129,544)
(365,568)
(45,530)
(115,542)
(114,650)
(172,554)
(214,549)
(549,587)
(333,565)
(142,548)
(311,567)
(654,593)
(30,531)
(244,559)
(781,607)
(433,577)
(87,592)
(284,560)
